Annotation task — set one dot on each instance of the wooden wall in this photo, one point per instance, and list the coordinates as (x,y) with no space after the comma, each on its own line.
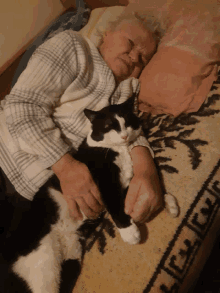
(7,76)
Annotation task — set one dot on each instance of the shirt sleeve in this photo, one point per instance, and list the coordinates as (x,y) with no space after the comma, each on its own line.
(141,141)
(30,105)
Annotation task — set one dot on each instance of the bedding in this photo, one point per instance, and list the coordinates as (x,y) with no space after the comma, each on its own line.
(188,52)
(173,251)
(175,81)
(184,72)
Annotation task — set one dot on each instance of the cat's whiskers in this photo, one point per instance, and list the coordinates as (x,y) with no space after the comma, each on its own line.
(106,153)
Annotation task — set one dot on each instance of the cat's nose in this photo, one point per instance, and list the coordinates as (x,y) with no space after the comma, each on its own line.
(124,137)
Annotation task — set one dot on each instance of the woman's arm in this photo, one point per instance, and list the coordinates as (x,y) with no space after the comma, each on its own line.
(144,195)
(29,109)
(30,105)
(79,189)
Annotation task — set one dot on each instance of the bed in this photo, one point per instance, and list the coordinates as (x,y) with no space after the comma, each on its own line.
(173,251)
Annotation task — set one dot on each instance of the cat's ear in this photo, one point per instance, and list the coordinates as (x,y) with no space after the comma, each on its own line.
(129,104)
(90,114)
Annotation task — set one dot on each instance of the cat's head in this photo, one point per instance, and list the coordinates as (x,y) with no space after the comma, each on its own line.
(114,125)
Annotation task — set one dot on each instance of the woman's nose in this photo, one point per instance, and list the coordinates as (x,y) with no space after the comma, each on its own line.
(134,55)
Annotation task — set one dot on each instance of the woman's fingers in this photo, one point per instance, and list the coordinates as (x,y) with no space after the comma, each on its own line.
(93,203)
(140,213)
(96,193)
(131,196)
(86,209)
(145,207)
(74,210)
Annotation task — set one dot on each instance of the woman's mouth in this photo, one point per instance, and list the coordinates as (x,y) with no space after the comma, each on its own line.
(127,62)
(129,66)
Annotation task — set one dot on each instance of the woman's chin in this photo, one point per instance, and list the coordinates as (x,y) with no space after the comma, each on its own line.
(122,72)
(120,76)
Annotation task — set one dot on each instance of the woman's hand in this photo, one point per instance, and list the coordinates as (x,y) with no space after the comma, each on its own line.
(78,187)
(144,195)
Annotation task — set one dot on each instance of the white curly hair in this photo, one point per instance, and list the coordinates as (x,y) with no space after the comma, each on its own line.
(150,24)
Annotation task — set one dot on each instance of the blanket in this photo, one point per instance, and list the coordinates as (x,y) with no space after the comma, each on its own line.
(173,251)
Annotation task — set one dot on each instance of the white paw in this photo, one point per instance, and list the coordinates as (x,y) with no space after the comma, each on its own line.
(171,205)
(130,234)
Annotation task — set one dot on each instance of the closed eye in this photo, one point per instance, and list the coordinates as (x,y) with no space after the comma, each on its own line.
(144,61)
(146,58)
(131,43)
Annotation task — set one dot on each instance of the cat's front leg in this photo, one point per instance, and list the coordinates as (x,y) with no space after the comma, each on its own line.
(114,202)
(128,230)
(130,234)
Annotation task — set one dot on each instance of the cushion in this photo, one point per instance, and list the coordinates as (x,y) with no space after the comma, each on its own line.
(181,74)
(175,81)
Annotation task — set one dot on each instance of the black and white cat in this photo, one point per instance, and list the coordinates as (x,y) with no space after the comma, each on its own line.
(46,247)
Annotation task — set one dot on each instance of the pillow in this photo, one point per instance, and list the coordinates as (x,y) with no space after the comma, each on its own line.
(175,81)
(181,73)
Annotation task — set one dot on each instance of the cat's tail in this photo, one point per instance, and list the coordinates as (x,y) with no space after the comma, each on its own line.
(171,205)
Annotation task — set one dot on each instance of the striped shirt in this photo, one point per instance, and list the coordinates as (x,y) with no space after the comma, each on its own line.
(42,118)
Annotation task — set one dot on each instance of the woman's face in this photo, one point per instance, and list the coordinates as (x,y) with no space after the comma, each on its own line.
(128,49)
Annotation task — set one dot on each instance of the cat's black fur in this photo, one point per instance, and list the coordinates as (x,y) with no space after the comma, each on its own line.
(38,222)
(100,160)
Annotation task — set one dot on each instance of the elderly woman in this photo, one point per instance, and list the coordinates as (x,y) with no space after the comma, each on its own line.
(42,117)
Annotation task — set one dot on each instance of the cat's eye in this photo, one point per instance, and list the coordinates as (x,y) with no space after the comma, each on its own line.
(107,125)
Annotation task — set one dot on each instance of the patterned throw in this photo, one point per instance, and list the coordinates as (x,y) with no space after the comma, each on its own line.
(173,251)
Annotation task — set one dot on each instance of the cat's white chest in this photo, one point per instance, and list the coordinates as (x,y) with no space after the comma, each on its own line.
(124,162)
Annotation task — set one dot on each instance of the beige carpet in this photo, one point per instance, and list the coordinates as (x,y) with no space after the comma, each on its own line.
(173,251)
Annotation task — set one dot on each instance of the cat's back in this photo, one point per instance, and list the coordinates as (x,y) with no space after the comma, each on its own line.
(33,224)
